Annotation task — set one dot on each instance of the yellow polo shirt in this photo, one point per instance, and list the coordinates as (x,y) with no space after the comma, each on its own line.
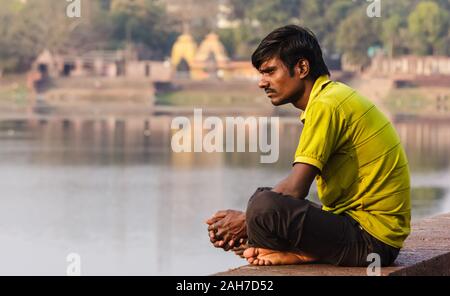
(364,169)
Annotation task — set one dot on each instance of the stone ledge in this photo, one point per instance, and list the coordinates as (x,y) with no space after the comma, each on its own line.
(426,252)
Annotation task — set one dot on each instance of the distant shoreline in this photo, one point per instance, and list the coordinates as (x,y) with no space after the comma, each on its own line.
(216,98)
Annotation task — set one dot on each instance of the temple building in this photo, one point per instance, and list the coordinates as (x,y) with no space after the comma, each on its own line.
(112,64)
(411,65)
(207,61)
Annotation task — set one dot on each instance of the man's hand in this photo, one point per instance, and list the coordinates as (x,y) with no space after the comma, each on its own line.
(227,229)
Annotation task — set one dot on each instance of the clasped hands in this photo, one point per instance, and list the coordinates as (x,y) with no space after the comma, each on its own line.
(227,230)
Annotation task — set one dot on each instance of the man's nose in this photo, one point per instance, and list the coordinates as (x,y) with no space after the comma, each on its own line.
(263,83)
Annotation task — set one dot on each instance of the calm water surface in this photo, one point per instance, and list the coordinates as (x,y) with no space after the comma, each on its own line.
(113,192)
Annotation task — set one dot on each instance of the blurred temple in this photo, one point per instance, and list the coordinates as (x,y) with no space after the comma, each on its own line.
(207,61)
(418,70)
(120,63)
(69,83)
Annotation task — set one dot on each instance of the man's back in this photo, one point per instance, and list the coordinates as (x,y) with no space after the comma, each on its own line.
(364,170)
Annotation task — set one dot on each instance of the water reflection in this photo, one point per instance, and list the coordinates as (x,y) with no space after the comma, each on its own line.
(427,142)
(112,190)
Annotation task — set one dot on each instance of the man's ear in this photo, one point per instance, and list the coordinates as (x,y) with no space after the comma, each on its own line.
(302,68)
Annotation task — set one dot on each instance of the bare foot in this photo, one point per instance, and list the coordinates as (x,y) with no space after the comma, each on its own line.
(260,256)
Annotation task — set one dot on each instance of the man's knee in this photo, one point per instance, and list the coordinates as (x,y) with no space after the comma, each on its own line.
(261,202)
(260,221)
(266,205)
(267,219)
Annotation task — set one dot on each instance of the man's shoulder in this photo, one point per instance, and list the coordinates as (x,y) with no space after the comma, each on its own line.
(336,92)
(338,95)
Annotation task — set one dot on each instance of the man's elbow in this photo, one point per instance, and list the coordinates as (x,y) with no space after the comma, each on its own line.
(300,194)
(293,192)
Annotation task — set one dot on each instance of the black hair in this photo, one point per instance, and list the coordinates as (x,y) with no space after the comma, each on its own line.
(291,43)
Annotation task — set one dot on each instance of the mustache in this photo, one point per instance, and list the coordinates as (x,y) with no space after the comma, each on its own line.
(269,90)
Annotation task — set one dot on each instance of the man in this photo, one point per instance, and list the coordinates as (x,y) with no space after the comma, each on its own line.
(347,145)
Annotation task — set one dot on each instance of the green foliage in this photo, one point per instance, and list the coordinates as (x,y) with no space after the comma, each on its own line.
(355,35)
(28,29)
(334,14)
(342,26)
(428,25)
(140,22)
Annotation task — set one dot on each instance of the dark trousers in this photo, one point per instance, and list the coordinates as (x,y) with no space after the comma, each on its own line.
(280,222)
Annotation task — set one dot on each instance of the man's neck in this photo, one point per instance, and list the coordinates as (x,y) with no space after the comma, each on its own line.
(304,99)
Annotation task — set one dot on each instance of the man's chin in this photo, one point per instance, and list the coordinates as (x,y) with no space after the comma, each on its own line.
(278,101)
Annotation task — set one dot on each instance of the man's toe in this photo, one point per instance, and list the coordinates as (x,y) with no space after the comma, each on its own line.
(250,252)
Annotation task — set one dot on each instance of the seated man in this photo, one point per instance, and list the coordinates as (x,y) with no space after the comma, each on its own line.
(347,145)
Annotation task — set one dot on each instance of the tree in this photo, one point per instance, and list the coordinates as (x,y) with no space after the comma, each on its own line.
(395,26)
(428,25)
(257,19)
(28,29)
(275,13)
(334,14)
(198,17)
(391,28)
(355,35)
(342,26)
(93,30)
(141,22)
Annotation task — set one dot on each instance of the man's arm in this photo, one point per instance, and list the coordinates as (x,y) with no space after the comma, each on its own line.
(298,182)
(226,228)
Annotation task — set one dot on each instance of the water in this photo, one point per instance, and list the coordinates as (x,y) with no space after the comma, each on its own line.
(112,191)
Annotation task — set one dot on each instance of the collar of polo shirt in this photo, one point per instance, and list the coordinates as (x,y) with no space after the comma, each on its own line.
(319,84)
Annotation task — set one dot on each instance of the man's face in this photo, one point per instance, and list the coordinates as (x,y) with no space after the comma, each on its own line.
(279,85)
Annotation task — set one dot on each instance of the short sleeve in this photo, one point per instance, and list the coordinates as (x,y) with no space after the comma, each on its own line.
(319,136)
